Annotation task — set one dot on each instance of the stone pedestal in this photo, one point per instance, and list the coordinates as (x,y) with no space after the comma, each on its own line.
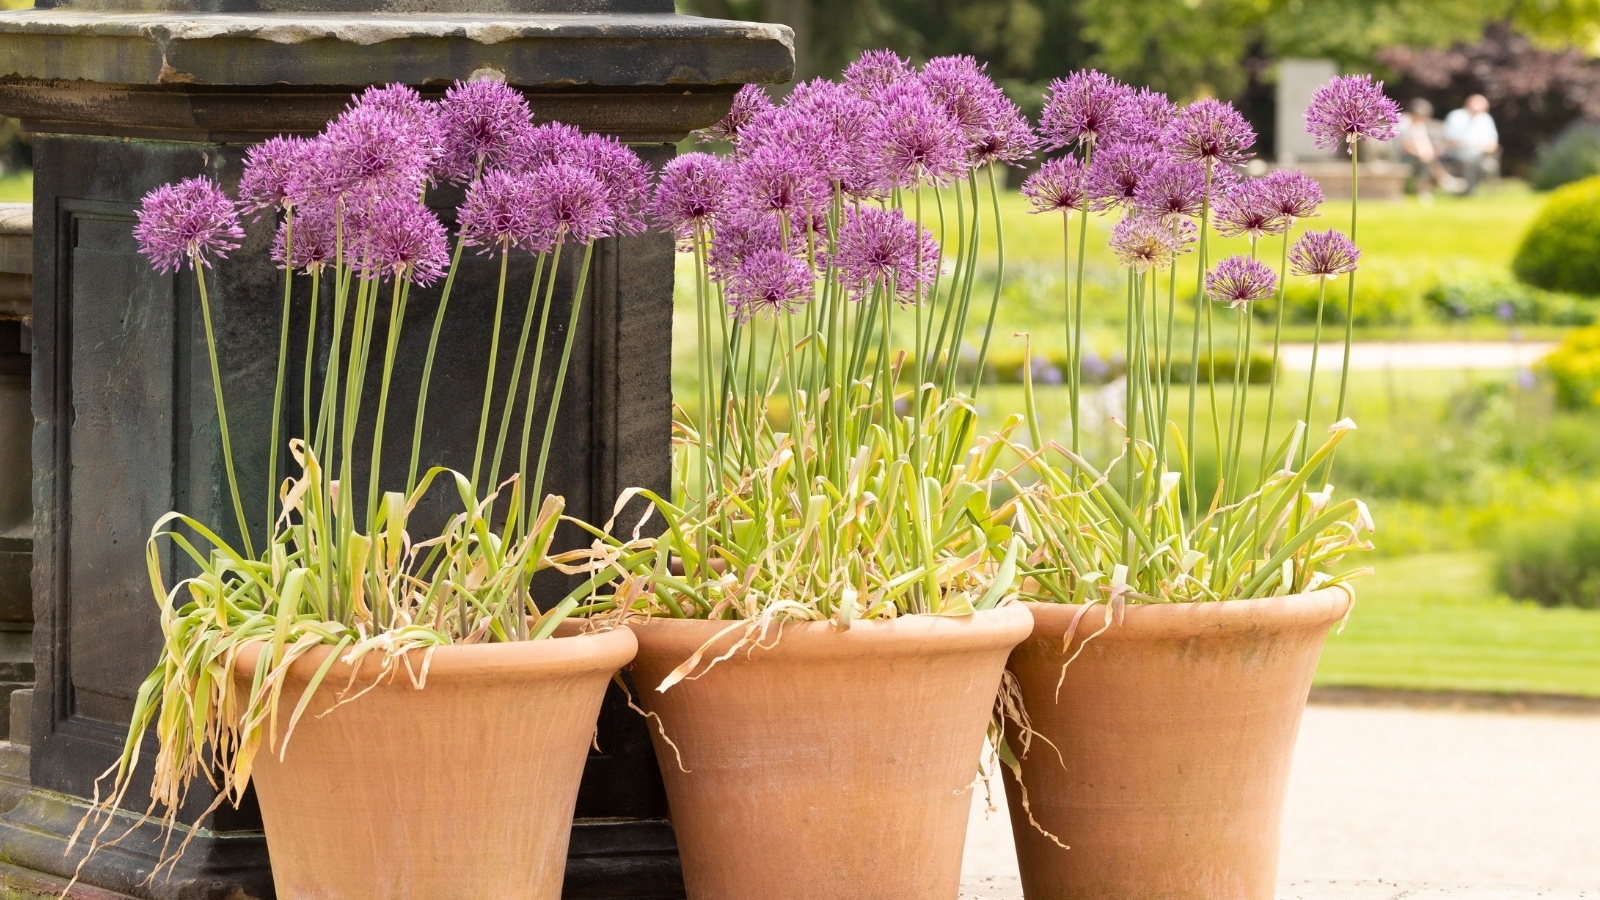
(123,99)
(1380,180)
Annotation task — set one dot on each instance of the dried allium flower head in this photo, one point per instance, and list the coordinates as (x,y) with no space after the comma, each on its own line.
(916,140)
(1116,171)
(404,239)
(1148,113)
(1239,281)
(480,121)
(1143,243)
(1211,132)
(1060,184)
(497,212)
(875,71)
(1086,107)
(1350,108)
(1248,209)
(883,249)
(192,221)
(569,203)
(1173,187)
(750,102)
(772,181)
(768,282)
(1295,195)
(622,173)
(1323,254)
(690,192)
(314,239)
(270,171)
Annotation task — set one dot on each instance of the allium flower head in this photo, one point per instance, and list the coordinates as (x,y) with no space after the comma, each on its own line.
(314,240)
(1143,243)
(417,118)
(404,239)
(883,249)
(1006,137)
(543,145)
(1239,281)
(1173,187)
(768,282)
(480,121)
(1350,108)
(1060,184)
(1116,172)
(1323,254)
(749,102)
(623,175)
(366,153)
(690,193)
(270,171)
(1295,195)
(916,139)
(192,221)
(994,128)
(840,120)
(1086,107)
(771,181)
(740,234)
(875,71)
(1148,113)
(497,212)
(1249,208)
(569,203)
(1210,132)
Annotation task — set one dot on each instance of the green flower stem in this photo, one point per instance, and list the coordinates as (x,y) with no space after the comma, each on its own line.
(1311,379)
(311,350)
(516,376)
(1076,384)
(703,333)
(561,375)
(397,317)
(283,362)
(530,506)
(999,280)
(1277,345)
(1194,349)
(427,365)
(488,383)
(222,410)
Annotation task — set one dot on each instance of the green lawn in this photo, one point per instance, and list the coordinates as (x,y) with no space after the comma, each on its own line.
(1434,622)
(17,187)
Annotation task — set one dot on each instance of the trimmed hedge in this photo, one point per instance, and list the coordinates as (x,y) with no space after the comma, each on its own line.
(1561,251)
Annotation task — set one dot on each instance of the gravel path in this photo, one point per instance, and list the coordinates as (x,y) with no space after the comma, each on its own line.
(1377,356)
(1389,803)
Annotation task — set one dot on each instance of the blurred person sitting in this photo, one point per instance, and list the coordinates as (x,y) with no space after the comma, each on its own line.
(1421,135)
(1472,142)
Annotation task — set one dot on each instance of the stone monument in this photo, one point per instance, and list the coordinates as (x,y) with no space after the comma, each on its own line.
(124,95)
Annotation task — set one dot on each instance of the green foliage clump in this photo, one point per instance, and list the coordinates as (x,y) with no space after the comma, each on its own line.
(1483,293)
(1553,561)
(1561,251)
(1573,156)
(1574,368)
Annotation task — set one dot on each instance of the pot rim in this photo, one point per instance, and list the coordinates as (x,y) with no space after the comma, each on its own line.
(1006,625)
(1313,609)
(467,663)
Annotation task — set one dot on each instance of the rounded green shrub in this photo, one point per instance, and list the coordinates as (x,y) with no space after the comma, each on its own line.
(1553,561)
(1574,368)
(1574,154)
(1561,251)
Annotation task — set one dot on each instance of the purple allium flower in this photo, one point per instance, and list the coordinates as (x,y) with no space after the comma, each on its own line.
(916,139)
(1143,243)
(747,104)
(367,153)
(1323,254)
(1185,234)
(404,239)
(569,203)
(690,192)
(315,238)
(1248,208)
(994,128)
(1086,107)
(842,121)
(543,145)
(624,176)
(480,121)
(497,212)
(1060,184)
(875,71)
(1239,281)
(1295,195)
(1116,171)
(270,169)
(1349,108)
(415,117)
(191,221)
(768,282)
(1148,113)
(1007,138)
(771,181)
(879,248)
(1174,187)
(1211,132)
(741,233)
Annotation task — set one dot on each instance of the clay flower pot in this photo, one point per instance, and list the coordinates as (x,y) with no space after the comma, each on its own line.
(462,789)
(1175,729)
(826,764)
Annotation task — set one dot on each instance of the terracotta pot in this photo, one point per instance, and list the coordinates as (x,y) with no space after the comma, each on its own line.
(829,764)
(462,789)
(1175,729)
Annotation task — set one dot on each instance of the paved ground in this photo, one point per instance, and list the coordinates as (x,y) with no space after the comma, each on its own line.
(1377,356)
(1389,803)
